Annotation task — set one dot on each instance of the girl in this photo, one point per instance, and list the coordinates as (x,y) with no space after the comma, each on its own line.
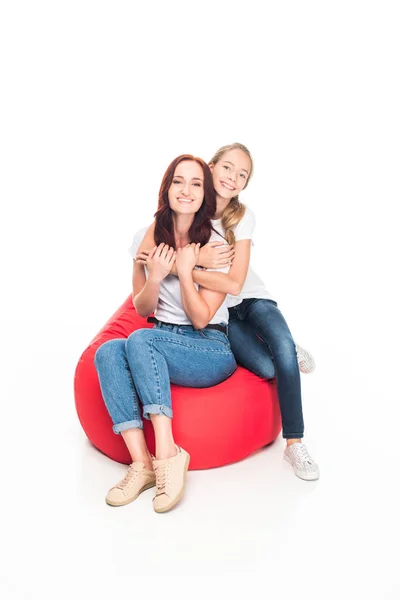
(258,333)
(187,346)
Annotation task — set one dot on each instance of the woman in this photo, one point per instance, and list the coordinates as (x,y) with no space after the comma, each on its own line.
(258,333)
(187,346)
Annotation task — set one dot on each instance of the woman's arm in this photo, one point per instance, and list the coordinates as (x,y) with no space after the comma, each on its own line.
(146,291)
(148,240)
(200,306)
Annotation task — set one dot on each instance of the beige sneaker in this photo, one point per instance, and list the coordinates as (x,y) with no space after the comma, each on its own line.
(170,477)
(136,480)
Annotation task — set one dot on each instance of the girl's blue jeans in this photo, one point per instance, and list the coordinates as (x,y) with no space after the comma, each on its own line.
(141,368)
(261,342)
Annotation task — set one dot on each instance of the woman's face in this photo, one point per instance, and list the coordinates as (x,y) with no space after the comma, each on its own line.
(230,173)
(186,192)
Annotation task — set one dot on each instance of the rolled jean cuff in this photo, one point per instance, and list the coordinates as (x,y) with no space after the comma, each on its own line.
(118,427)
(156,409)
(293,436)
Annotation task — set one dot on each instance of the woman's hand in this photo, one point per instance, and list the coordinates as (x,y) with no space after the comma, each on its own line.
(141,258)
(215,255)
(186,259)
(159,262)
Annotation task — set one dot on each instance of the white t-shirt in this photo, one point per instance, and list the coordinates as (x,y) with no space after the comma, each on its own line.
(169,307)
(253,286)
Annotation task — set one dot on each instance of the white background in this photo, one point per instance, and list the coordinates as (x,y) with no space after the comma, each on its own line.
(96,99)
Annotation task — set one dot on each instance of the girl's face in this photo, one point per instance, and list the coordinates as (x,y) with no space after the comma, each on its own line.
(186,192)
(230,173)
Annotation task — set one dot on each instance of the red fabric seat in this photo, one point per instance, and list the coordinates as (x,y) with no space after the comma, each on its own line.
(217,425)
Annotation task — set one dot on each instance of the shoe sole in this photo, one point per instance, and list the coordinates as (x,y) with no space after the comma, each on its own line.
(304,478)
(146,487)
(179,496)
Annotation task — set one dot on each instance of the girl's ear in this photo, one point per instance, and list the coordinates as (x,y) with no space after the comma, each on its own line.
(211,167)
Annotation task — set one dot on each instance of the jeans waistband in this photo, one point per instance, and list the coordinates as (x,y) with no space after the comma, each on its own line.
(222,328)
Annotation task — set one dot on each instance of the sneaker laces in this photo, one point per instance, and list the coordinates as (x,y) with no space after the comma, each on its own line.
(130,476)
(300,455)
(162,471)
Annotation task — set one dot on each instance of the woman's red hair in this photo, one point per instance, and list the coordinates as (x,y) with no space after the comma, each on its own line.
(200,230)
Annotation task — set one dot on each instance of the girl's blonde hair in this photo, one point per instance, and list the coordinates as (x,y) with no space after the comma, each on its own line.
(235,209)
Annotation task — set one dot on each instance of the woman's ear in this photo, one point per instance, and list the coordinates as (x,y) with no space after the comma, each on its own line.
(211,167)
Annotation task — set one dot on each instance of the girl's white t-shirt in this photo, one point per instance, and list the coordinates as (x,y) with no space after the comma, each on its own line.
(169,308)
(253,286)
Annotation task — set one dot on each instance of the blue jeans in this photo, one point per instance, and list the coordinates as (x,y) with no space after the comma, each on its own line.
(261,342)
(142,367)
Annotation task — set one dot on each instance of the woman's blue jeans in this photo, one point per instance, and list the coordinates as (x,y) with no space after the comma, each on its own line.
(261,342)
(142,367)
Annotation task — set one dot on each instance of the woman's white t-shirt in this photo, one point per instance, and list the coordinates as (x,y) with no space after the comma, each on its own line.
(253,286)
(169,308)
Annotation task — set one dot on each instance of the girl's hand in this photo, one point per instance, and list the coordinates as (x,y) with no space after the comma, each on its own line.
(142,256)
(187,259)
(215,255)
(159,262)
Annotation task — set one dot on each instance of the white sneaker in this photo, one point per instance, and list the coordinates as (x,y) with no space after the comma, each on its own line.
(303,465)
(305,360)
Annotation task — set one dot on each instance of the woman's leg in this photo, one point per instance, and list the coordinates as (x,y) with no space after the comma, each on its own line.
(121,398)
(122,403)
(161,356)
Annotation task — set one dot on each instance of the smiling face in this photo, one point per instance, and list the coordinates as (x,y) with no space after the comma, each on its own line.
(231,173)
(186,192)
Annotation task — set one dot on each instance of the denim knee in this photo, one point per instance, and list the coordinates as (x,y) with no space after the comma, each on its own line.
(265,369)
(137,339)
(286,354)
(108,350)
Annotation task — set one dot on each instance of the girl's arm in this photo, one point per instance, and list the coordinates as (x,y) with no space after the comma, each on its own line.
(226,283)
(231,282)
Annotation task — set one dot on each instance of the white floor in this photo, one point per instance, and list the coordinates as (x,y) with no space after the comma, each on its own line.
(249,527)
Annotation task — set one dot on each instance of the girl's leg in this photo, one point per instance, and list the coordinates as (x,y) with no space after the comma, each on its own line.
(122,403)
(266,320)
(249,350)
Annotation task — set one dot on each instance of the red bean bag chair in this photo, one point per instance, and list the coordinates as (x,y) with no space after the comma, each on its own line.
(217,425)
